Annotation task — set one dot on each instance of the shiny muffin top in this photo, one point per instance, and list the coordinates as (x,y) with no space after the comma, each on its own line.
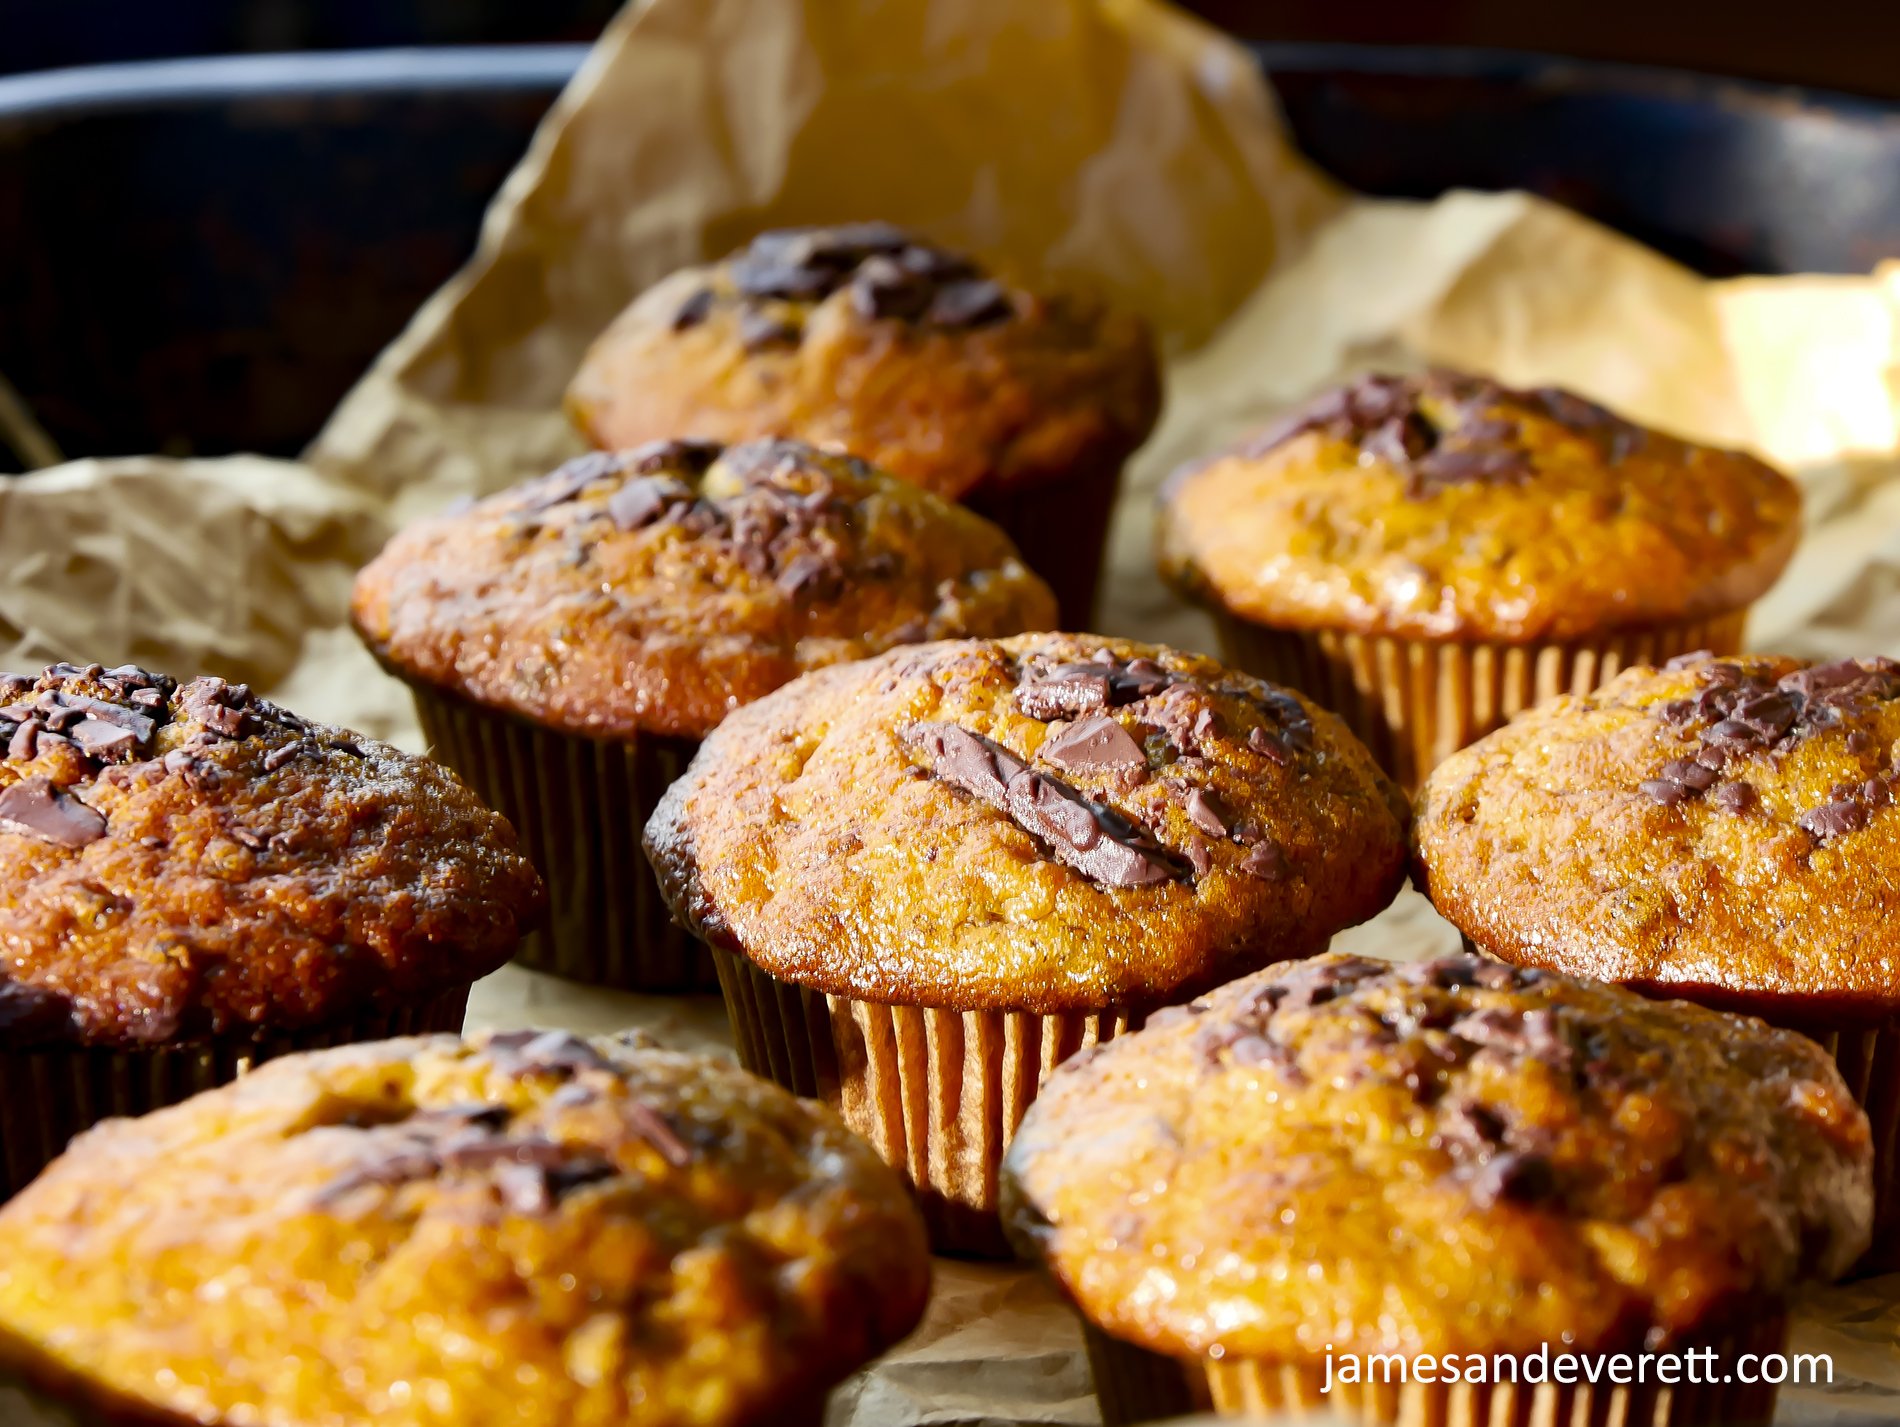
(1720,828)
(527,1229)
(1048,823)
(868,338)
(1450,507)
(1450,1155)
(655,589)
(182,859)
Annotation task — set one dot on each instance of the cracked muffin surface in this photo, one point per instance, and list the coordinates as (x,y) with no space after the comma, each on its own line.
(1720,828)
(1046,823)
(1451,507)
(655,589)
(869,338)
(526,1228)
(1451,1155)
(187,859)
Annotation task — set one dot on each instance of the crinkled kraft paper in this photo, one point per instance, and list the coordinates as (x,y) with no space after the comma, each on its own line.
(1107,141)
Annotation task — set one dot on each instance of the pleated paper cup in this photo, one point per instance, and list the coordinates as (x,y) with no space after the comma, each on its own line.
(939,1093)
(55,1092)
(1060,528)
(578,806)
(1869,1061)
(1135,1385)
(1415,702)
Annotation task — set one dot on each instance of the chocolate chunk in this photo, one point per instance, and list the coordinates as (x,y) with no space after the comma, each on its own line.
(811,577)
(222,708)
(652,1127)
(1205,814)
(282,754)
(1735,797)
(1664,791)
(966,760)
(103,741)
(1692,775)
(568,480)
(1094,840)
(695,310)
(644,499)
(1471,1128)
(1513,1177)
(31,1013)
(1267,861)
(1200,859)
(1094,745)
(1537,1034)
(884,288)
(24,745)
(1835,819)
(971,302)
(561,1052)
(34,807)
(1068,691)
(759,331)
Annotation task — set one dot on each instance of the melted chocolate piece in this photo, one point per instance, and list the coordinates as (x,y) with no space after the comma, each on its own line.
(34,807)
(1097,744)
(645,499)
(1386,418)
(966,760)
(695,310)
(1071,690)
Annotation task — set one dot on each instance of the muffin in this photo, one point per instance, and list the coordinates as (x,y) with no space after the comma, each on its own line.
(1430,555)
(1450,1158)
(1022,404)
(570,641)
(527,1228)
(1719,830)
(193,880)
(929,878)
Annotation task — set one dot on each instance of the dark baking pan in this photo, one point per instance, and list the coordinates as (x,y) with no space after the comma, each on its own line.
(201,255)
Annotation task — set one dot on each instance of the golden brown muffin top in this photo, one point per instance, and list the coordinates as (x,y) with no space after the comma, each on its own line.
(868,338)
(179,860)
(1450,507)
(1048,823)
(1449,1155)
(1720,828)
(527,1229)
(654,590)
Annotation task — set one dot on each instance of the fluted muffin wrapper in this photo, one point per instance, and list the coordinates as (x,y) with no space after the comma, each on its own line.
(1415,702)
(938,1093)
(578,805)
(1135,1385)
(1060,527)
(54,1092)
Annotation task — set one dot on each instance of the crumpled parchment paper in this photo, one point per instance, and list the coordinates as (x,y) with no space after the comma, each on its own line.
(1111,141)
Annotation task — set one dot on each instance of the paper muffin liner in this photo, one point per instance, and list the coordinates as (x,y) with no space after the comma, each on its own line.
(1415,702)
(939,1093)
(55,1092)
(1158,1387)
(1060,528)
(578,806)
(1869,1061)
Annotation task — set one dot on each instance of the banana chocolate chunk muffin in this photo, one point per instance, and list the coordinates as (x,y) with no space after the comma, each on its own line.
(927,878)
(1022,403)
(193,879)
(1429,555)
(1452,1158)
(1723,830)
(569,641)
(526,1228)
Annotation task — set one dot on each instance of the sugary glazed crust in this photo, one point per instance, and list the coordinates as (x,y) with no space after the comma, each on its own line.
(656,589)
(868,338)
(187,860)
(1047,823)
(1445,1156)
(1722,829)
(528,1227)
(1449,507)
